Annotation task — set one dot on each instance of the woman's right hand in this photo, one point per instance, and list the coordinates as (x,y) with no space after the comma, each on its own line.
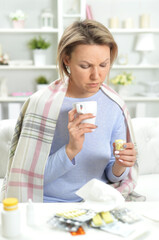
(77,132)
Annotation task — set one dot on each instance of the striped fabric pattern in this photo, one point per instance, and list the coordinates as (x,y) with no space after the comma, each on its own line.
(32,141)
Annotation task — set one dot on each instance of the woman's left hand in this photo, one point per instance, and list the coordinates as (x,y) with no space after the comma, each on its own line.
(126,157)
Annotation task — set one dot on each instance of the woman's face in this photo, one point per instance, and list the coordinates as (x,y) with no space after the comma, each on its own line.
(89,66)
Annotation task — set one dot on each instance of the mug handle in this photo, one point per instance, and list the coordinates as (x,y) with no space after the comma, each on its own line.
(79,108)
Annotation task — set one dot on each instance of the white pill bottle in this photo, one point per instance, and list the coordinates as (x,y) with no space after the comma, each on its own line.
(10,218)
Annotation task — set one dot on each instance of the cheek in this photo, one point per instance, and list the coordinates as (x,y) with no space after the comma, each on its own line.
(81,74)
(104,73)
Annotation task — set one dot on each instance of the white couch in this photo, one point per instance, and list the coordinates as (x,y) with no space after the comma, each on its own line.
(147,137)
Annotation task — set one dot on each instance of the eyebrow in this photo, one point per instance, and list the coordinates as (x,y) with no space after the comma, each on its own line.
(107,59)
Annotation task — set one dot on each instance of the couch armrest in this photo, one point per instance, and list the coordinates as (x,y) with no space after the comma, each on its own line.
(6,132)
(147,138)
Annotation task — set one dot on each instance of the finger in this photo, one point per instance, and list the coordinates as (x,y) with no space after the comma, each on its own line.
(87,125)
(71,115)
(126,157)
(131,152)
(82,131)
(125,163)
(128,145)
(82,117)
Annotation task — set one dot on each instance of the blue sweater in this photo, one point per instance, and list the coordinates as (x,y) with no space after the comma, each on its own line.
(63,177)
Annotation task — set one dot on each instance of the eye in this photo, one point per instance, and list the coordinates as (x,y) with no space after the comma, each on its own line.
(84,66)
(103,65)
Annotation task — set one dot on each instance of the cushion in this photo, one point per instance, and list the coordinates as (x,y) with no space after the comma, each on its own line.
(6,132)
(147,137)
(148,185)
(1,182)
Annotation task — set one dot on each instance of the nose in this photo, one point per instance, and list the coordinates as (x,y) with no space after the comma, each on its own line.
(94,73)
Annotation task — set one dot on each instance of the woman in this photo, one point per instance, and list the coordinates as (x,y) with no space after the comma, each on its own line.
(53,153)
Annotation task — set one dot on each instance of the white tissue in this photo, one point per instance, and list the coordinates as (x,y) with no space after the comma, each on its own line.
(100,196)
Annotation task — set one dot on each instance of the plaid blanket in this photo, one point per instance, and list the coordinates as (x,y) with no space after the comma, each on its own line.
(32,139)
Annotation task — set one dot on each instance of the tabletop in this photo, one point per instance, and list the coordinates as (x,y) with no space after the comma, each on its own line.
(146,229)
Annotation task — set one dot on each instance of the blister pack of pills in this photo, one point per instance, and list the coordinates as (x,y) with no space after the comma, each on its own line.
(81,215)
(119,228)
(125,215)
(64,224)
(71,221)
(100,219)
(107,222)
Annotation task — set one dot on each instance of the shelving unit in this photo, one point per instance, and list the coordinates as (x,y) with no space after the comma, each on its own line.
(135,66)
(70,12)
(126,41)
(64,15)
(134,30)
(138,104)
(16,73)
(28,30)
(28,67)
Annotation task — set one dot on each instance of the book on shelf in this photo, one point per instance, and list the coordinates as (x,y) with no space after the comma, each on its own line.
(89,14)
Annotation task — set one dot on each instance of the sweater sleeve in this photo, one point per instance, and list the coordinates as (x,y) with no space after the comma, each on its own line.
(57,165)
(111,177)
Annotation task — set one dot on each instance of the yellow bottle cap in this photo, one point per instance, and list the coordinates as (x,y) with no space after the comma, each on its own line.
(10,204)
(119,140)
(119,144)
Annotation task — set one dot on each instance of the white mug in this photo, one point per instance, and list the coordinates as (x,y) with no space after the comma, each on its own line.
(87,107)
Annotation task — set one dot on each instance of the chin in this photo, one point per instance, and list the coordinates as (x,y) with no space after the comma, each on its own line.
(94,89)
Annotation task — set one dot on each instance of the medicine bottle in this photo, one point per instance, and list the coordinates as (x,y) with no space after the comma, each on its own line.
(30,213)
(10,218)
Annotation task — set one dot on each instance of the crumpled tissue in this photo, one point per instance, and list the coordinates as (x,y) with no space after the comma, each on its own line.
(100,196)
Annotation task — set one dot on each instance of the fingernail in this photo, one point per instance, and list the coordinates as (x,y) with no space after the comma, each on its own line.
(120,160)
(96,126)
(117,156)
(116,152)
(125,146)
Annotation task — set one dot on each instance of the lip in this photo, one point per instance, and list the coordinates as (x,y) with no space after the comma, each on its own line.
(93,84)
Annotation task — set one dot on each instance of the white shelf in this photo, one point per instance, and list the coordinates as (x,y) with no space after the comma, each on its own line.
(32,67)
(156,66)
(127,99)
(12,99)
(29,67)
(29,30)
(141,99)
(134,30)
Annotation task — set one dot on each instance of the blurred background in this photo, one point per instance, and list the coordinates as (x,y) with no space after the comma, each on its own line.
(30,32)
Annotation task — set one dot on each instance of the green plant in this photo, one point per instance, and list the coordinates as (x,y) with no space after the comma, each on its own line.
(42,80)
(122,79)
(17,15)
(38,43)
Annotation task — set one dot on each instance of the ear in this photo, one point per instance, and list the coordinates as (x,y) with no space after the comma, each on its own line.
(66,60)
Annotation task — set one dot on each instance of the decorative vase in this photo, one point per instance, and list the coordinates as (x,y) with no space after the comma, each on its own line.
(124,90)
(39,57)
(18,24)
(3,88)
(41,86)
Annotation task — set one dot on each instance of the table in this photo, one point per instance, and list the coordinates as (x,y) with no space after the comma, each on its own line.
(44,211)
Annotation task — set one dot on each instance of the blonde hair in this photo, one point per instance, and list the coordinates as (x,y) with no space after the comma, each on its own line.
(87,32)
